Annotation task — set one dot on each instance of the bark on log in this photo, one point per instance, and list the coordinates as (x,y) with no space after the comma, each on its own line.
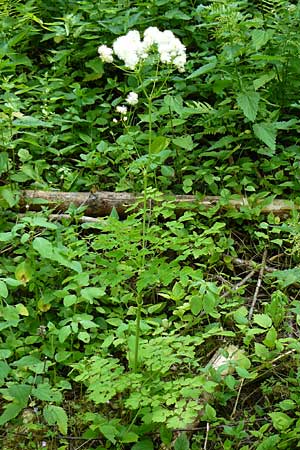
(101,203)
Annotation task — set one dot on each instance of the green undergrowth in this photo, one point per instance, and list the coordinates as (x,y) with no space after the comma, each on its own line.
(160,329)
(68,313)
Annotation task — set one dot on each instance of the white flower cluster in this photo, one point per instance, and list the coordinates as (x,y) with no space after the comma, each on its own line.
(132,98)
(132,50)
(105,53)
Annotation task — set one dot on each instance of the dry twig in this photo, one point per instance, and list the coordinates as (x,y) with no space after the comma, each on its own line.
(258,285)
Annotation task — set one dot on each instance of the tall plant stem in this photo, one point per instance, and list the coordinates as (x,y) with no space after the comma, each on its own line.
(137,333)
(144,235)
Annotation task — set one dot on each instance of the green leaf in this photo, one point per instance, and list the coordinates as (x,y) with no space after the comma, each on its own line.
(261,351)
(281,421)
(263,320)
(243,373)
(248,102)
(266,132)
(146,444)
(196,304)
(91,293)
(167,171)
(261,37)
(30,122)
(203,70)
(109,432)
(210,413)
(55,415)
(3,289)
(269,443)
(114,213)
(63,333)
(20,393)
(129,436)
(84,336)
(43,247)
(263,80)
(158,144)
(11,411)
(270,339)
(45,393)
(182,442)
(185,142)
(287,276)
(70,300)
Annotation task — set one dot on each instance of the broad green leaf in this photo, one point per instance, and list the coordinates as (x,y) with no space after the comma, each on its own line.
(23,272)
(210,413)
(10,314)
(22,310)
(11,411)
(203,70)
(145,444)
(261,351)
(270,339)
(63,333)
(263,80)
(167,171)
(4,370)
(84,336)
(46,250)
(263,320)
(5,353)
(43,247)
(114,213)
(129,436)
(266,132)
(185,142)
(3,162)
(196,304)
(261,37)
(45,393)
(55,415)
(30,122)
(287,277)
(281,421)
(243,373)
(158,144)
(91,293)
(182,442)
(269,443)
(70,300)
(6,237)
(109,432)
(3,289)
(248,102)
(41,222)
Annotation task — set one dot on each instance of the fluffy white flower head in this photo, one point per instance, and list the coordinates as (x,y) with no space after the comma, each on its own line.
(132,98)
(121,109)
(129,48)
(132,50)
(105,53)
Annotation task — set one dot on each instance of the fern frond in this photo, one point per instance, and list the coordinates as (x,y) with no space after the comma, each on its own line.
(271,6)
(199,107)
(8,8)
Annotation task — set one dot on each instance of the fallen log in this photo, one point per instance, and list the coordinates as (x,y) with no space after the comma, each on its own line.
(101,203)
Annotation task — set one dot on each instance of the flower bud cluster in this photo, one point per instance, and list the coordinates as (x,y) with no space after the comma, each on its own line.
(132,50)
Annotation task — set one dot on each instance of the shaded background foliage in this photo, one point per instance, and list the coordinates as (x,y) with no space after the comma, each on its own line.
(228,125)
(242,75)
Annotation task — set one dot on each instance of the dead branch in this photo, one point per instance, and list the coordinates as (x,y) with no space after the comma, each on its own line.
(252,265)
(258,285)
(101,203)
